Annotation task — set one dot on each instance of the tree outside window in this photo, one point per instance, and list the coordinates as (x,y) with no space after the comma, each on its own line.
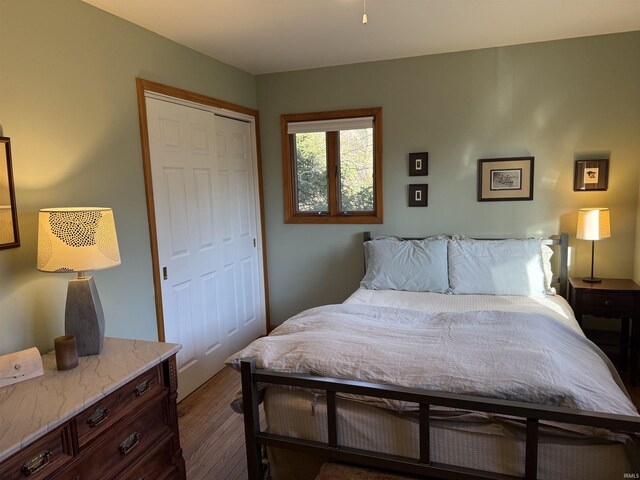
(333,166)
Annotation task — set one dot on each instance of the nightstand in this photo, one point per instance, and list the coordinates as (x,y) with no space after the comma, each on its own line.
(612,298)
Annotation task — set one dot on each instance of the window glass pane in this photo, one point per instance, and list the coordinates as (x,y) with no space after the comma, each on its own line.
(356,170)
(312,192)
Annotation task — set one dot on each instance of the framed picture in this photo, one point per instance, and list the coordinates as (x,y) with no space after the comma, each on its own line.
(418,164)
(9,237)
(418,195)
(591,175)
(504,179)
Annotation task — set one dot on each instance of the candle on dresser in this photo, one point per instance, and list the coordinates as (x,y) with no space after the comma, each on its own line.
(66,352)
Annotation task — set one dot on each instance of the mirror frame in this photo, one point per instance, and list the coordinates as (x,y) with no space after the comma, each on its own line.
(12,195)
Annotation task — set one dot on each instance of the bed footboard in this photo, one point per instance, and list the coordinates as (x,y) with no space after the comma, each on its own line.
(530,413)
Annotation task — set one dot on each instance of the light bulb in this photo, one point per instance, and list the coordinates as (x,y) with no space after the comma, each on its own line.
(364,18)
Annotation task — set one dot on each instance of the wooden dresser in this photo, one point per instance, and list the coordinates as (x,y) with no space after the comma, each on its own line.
(112,417)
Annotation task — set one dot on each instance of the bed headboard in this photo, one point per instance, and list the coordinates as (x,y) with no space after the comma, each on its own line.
(560,244)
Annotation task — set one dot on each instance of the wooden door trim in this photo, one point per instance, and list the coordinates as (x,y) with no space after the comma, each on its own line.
(143,86)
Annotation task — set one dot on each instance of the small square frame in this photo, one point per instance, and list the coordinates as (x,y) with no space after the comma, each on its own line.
(505,179)
(418,164)
(418,195)
(591,175)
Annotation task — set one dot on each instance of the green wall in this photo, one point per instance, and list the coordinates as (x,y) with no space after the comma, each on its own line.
(557,101)
(68,102)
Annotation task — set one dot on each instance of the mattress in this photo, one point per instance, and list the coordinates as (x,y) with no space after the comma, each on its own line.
(497,447)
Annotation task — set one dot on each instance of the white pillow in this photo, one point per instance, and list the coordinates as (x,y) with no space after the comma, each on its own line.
(411,265)
(496,267)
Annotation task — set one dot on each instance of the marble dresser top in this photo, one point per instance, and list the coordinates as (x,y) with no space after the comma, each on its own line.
(34,407)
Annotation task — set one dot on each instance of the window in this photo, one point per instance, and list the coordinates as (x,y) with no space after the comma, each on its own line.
(333,166)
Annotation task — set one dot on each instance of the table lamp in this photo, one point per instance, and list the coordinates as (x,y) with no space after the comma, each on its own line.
(77,240)
(593,224)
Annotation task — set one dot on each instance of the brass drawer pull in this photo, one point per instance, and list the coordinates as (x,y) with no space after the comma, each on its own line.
(142,388)
(36,463)
(129,443)
(97,417)
(608,303)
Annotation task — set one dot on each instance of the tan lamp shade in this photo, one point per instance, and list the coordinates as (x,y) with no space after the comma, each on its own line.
(593,224)
(77,239)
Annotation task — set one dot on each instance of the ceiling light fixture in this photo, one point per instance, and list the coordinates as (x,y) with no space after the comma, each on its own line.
(364,12)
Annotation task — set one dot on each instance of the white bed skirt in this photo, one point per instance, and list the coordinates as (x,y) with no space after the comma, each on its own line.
(301,414)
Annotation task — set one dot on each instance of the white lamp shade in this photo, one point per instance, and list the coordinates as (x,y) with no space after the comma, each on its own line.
(593,224)
(77,239)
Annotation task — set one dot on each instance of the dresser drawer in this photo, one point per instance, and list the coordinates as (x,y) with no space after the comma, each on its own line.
(159,465)
(132,438)
(41,458)
(99,417)
(611,305)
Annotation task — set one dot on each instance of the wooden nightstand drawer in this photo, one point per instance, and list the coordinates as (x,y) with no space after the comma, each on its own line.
(41,458)
(610,305)
(130,440)
(110,409)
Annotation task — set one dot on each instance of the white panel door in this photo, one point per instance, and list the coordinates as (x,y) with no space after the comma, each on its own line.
(238,232)
(204,247)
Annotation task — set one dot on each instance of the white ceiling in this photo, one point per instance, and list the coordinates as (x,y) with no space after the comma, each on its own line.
(266,36)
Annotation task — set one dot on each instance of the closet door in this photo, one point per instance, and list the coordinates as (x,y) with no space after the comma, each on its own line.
(237,234)
(206,223)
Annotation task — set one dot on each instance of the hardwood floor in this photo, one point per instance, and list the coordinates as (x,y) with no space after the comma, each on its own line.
(212,435)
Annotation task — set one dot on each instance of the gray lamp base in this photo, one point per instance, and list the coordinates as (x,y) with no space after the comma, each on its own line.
(83,317)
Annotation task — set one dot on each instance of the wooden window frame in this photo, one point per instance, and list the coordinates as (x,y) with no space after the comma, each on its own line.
(291,214)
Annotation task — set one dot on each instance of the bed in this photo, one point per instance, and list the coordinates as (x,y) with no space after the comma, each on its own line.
(454,359)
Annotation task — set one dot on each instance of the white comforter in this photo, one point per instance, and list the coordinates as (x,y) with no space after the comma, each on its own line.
(551,305)
(527,357)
